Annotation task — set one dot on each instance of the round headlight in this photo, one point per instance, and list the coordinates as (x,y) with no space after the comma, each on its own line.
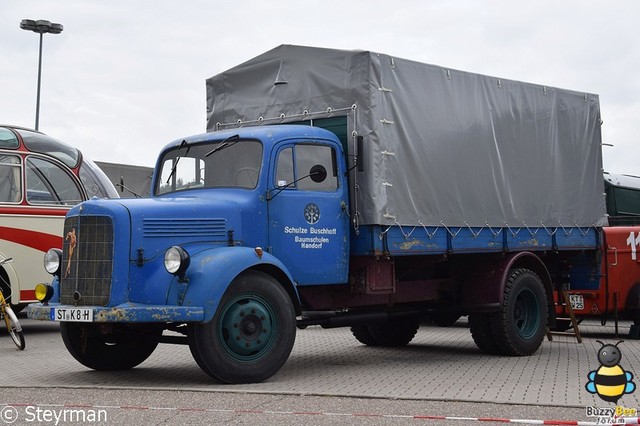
(52,261)
(176,260)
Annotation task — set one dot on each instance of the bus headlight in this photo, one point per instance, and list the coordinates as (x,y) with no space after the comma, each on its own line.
(44,292)
(52,261)
(176,261)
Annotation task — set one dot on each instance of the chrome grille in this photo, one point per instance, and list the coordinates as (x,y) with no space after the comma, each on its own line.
(87,267)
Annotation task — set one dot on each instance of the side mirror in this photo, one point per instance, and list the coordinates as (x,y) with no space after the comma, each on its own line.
(318,173)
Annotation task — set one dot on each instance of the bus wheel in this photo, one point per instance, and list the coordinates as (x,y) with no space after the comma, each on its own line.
(519,327)
(110,346)
(251,334)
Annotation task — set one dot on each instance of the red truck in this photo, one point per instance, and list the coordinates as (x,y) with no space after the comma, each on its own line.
(616,295)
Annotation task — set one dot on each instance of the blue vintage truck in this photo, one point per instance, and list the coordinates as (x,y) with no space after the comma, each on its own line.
(340,188)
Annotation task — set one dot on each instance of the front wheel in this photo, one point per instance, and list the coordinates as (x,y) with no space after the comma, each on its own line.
(110,346)
(520,325)
(251,334)
(13,327)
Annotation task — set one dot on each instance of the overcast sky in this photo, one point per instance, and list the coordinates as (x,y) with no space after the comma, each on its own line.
(125,78)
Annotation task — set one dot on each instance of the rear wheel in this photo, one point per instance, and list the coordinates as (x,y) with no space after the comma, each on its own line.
(110,346)
(519,328)
(252,333)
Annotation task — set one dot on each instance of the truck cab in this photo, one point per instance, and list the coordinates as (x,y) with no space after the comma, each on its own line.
(237,222)
(279,188)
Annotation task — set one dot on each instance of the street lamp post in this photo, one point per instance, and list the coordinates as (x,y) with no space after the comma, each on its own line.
(41,27)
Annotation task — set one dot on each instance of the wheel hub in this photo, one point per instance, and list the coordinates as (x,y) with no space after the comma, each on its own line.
(524,314)
(246,327)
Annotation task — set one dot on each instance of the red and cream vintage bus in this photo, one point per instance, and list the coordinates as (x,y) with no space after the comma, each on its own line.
(41,178)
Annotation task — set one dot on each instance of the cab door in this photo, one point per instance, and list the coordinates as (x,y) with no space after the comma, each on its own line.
(308,221)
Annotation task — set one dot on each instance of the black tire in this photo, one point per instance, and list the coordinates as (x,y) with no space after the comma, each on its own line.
(362,335)
(252,333)
(445,319)
(122,348)
(13,327)
(191,340)
(480,325)
(394,333)
(562,325)
(520,326)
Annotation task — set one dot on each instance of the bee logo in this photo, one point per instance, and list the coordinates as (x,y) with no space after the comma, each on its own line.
(610,381)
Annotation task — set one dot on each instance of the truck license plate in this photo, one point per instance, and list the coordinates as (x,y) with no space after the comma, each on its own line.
(72,314)
(577,302)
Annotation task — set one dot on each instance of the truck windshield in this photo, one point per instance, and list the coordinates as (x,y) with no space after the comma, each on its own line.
(188,166)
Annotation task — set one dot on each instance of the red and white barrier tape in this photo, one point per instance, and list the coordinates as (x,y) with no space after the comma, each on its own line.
(627,420)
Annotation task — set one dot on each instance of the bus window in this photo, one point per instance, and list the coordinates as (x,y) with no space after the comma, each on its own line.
(95,182)
(39,142)
(10,179)
(8,139)
(47,183)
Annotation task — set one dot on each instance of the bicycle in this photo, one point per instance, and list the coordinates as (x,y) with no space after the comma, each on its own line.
(10,319)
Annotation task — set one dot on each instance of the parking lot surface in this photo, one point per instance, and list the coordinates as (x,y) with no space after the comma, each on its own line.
(441,366)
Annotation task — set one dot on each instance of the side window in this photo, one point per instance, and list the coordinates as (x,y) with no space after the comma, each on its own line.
(284,168)
(627,201)
(308,156)
(10,179)
(47,183)
(296,163)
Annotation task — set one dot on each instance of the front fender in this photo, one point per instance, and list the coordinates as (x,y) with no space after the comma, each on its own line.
(212,271)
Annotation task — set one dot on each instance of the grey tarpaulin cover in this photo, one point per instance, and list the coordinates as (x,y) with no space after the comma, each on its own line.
(443,147)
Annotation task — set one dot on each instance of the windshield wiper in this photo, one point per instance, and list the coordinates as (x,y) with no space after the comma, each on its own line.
(231,140)
(173,169)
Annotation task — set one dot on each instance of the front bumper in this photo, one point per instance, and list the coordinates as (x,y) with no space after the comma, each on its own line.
(127,312)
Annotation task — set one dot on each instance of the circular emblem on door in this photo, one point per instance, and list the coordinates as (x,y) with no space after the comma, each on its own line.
(311,213)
